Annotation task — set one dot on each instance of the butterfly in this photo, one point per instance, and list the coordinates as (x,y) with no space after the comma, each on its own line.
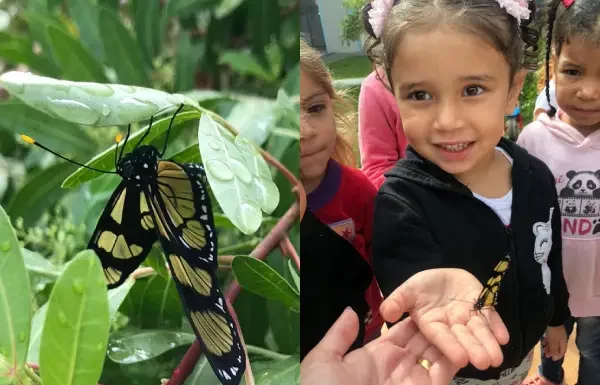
(489,294)
(161,200)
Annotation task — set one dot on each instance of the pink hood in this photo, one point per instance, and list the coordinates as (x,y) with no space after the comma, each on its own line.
(575,162)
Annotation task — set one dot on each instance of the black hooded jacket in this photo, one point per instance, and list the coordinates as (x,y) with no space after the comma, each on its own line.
(425,219)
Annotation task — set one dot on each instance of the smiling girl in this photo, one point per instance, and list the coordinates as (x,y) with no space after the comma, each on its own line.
(338,194)
(465,197)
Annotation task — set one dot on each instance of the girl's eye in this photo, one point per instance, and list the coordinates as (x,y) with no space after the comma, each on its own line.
(316,109)
(473,90)
(572,72)
(419,95)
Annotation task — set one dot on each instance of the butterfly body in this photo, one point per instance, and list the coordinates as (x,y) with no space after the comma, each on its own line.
(139,166)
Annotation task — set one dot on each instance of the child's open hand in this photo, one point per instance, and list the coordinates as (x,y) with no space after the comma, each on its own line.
(555,342)
(440,302)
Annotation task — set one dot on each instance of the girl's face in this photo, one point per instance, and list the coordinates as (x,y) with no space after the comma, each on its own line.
(577,77)
(453,90)
(317,131)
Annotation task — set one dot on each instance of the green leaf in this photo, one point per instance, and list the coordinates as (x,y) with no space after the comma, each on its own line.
(266,372)
(75,60)
(15,292)
(245,63)
(256,276)
(153,303)
(189,155)
(116,297)
(122,52)
(92,104)
(38,22)
(60,136)
(188,57)
(294,274)
(227,7)
(106,159)
(285,324)
(147,27)
(41,191)
(263,22)
(187,7)
(85,14)
(291,84)
(291,159)
(36,263)
(17,49)
(251,311)
(37,326)
(240,181)
(156,260)
(77,324)
(278,372)
(146,345)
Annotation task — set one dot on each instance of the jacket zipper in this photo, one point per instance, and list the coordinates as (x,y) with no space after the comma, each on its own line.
(513,254)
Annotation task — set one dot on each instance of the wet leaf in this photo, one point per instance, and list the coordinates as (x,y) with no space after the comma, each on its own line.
(256,276)
(15,291)
(241,183)
(146,345)
(77,324)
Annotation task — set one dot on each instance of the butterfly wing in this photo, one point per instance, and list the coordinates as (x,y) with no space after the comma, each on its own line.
(184,221)
(124,234)
(489,295)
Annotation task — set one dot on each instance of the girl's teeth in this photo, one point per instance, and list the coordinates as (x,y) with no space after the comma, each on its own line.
(455,147)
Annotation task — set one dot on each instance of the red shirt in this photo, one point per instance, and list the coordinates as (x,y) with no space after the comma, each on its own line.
(344,200)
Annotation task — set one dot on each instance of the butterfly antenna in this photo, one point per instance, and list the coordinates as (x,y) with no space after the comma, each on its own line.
(169,131)
(125,142)
(145,133)
(118,140)
(30,140)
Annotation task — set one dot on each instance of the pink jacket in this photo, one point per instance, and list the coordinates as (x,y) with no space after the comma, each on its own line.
(380,134)
(575,163)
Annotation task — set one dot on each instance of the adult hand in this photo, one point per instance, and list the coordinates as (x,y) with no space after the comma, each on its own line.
(391,359)
(440,302)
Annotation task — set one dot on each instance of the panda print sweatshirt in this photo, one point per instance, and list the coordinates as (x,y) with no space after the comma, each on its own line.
(425,219)
(575,162)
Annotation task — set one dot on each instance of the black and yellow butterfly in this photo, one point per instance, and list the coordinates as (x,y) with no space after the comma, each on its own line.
(166,201)
(489,294)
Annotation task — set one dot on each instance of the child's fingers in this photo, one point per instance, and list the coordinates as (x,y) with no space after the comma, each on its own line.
(497,326)
(440,335)
(479,327)
(477,354)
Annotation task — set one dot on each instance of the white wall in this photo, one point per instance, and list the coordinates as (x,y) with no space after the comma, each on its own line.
(332,13)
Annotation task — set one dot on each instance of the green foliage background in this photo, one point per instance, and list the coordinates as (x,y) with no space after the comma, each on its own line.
(235,57)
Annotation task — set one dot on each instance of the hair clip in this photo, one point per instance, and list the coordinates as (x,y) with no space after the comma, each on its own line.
(377,14)
(519,9)
(568,3)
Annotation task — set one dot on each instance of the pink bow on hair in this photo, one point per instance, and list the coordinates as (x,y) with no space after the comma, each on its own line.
(377,14)
(519,9)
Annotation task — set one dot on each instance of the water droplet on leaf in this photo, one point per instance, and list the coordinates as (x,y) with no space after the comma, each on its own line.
(220,170)
(105,110)
(240,170)
(73,111)
(5,246)
(22,336)
(214,145)
(249,217)
(78,286)
(62,318)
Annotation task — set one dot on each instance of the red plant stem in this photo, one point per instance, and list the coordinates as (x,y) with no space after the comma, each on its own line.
(290,251)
